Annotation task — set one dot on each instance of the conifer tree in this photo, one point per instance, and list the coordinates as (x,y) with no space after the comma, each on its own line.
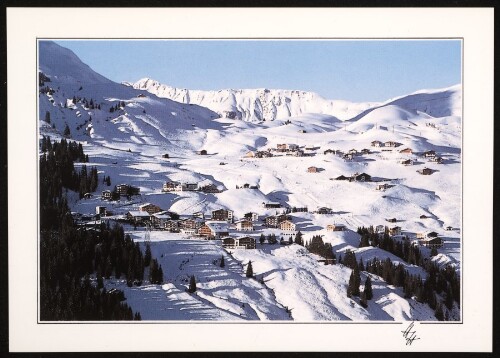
(262,238)
(47,117)
(361,265)
(354,282)
(368,291)
(363,302)
(67,131)
(222,264)
(147,255)
(192,285)
(298,239)
(249,270)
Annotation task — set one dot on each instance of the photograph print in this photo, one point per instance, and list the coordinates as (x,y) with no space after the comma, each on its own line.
(250,180)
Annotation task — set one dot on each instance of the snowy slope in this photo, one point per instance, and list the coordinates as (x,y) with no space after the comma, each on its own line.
(128,144)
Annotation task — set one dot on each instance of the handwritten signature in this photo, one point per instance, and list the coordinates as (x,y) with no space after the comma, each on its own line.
(410,335)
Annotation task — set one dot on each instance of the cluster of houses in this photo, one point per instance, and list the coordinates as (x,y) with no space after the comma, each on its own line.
(390,143)
(171,186)
(121,189)
(430,239)
(432,156)
(288,149)
(349,155)
(363,177)
(247,186)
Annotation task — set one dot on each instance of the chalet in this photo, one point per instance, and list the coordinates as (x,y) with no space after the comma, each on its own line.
(424,217)
(352,151)
(329,151)
(166,156)
(251,216)
(287,225)
(223,215)
(376,143)
(106,195)
(209,188)
(171,225)
(342,177)
(189,187)
(137,216)
(395,230)
(170,186)
(87,195)
(391,144)
(407,162)
(449,228)
(286,147)
(348,156)
(406,151)
(361,177)
(100,210)
(324,210)
(214,229)
(245,242)
(202,152)
(425,171)
(141,95)
(310,147)
(244,225)
(312,170)
(281,147)
(437,160)
(298,153)
(335,227)
(365,151)
(159,219)
(275,220)
(271,205)
(122,189)
(436,242)
(393,220)
(302,131)
(259,154)
(380,229)
(150,208)
(429,154)
(382,186)
(427,235)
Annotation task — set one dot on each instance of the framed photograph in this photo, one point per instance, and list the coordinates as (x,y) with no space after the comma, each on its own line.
(201,183)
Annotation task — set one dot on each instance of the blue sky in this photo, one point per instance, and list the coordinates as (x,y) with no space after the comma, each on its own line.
(365,70)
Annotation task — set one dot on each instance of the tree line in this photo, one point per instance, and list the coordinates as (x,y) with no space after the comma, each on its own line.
(404,250)
(70,255)
(325,250)
(441,286)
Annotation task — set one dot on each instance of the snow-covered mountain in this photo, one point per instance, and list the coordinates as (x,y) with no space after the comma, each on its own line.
(270,104)
(126,130)
(255,104)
